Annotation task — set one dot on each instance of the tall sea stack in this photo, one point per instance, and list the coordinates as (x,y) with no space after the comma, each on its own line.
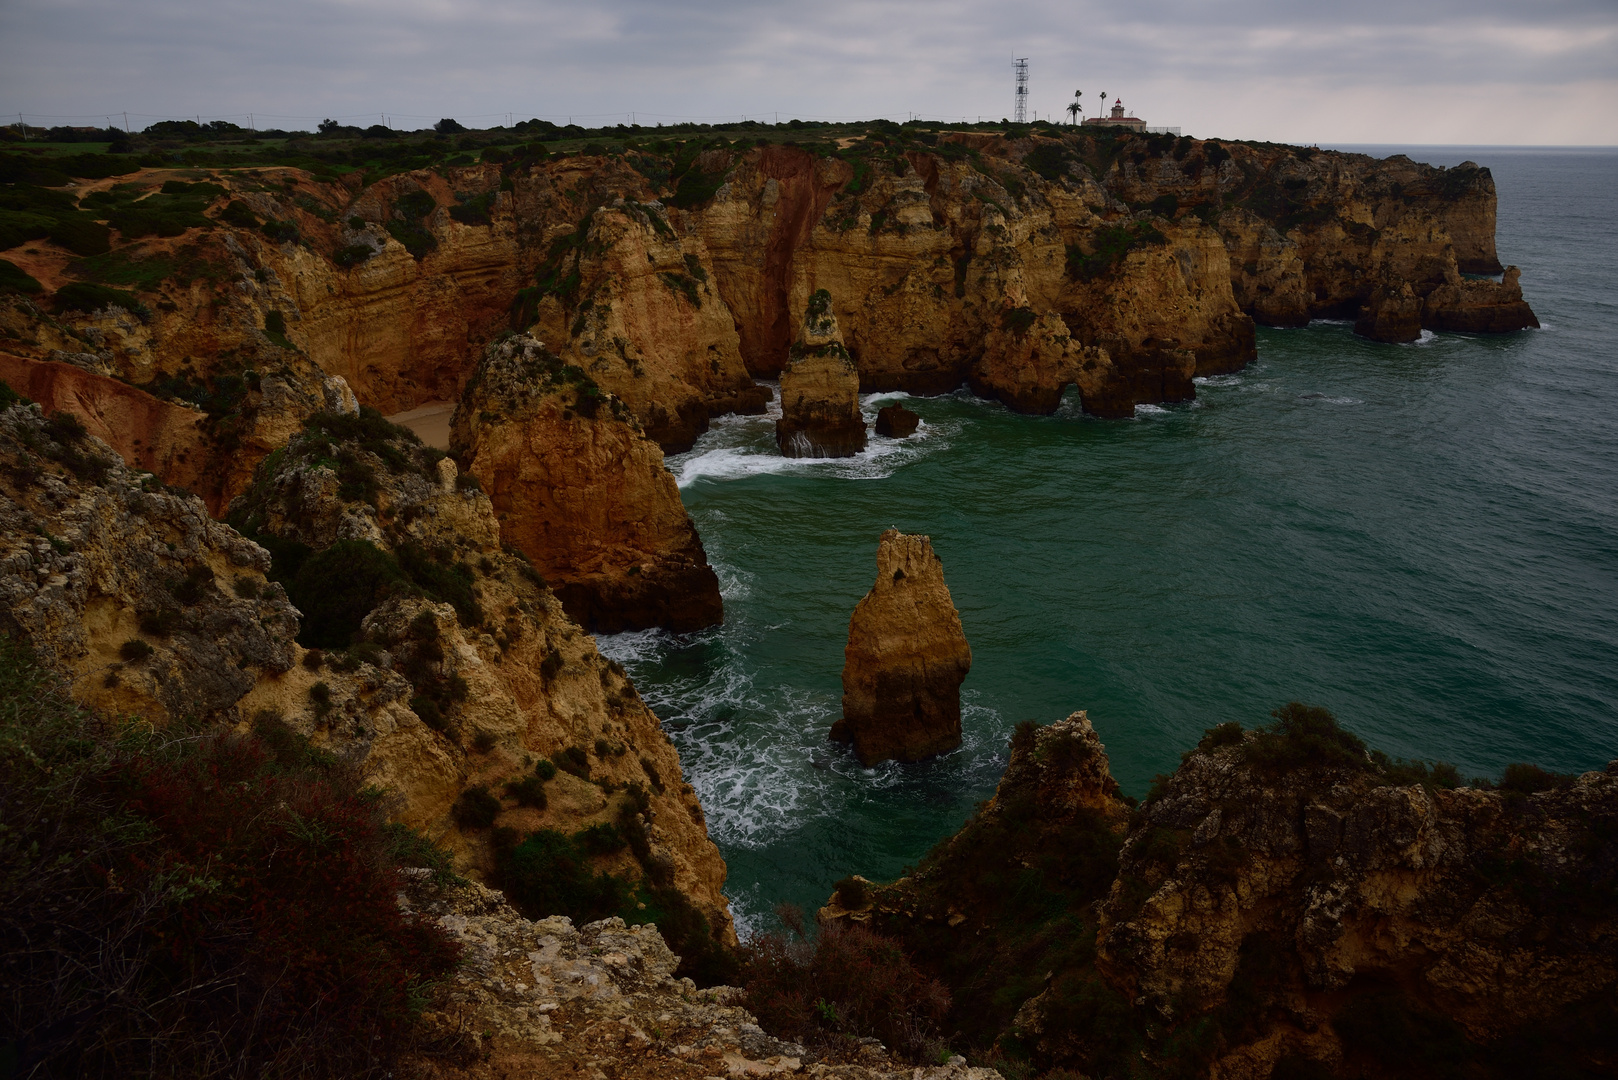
(820,391)
(906,659)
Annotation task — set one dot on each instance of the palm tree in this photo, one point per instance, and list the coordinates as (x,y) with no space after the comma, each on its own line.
(1074,108)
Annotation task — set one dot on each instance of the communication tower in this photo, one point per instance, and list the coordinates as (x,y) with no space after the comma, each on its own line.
(1019,109)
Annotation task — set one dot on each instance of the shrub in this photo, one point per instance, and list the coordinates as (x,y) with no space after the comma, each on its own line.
(1527,779)
(528,791)
(484,741)
(1305,736)
(282,232)
(551,665)
(415,205)
(351,255)
(574,760)
(14,278)
(600,839)
(548,874)
(852,893)
(135,650)
(476,808)
(337,587)
(850,983)
(544,769)
(152,923)
(88,298)
(1227,734)
(239,214)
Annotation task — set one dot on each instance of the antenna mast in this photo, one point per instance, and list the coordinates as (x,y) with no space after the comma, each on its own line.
(1019,110)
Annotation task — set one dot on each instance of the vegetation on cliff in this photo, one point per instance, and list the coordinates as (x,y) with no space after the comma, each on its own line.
(183,901)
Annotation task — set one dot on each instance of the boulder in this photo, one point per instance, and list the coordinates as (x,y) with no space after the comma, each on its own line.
(820,391)
(896,422)
(906,659)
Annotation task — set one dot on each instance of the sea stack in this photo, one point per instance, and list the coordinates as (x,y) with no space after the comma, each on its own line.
(906,659)
(896,422)
(820,391)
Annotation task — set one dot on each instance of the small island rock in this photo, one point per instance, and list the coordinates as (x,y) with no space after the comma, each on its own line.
(820,391)
(896,422)
(906,658)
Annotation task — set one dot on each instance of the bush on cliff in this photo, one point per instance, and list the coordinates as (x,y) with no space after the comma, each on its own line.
(194,904)
(849,983)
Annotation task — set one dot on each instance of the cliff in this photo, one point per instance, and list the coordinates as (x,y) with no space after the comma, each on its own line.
(583,493)
(1286,903)
(429,658)
(906,659)
(1120,263)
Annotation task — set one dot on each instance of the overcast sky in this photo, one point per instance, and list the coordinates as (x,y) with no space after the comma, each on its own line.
(1382,71)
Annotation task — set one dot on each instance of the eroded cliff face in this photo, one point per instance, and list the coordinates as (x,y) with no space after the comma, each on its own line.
(460,667)
(583,493)
(906,659)
(1285,904)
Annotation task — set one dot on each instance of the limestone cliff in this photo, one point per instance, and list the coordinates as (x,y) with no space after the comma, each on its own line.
(448,666)
(820,390)
(1286,903)
(583,493)
(906,659)
(468,636)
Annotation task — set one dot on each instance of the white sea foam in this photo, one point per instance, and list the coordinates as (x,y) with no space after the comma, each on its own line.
(1427,337)
(1148,410)
(1216,382)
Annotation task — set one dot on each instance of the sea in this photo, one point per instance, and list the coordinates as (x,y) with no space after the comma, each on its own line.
(1421,538)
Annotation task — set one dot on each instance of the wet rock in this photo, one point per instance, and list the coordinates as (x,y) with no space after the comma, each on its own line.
(1392,314)
(896,422)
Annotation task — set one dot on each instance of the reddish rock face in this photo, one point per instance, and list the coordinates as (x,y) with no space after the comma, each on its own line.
(579,489)
(906,659)
(896,422)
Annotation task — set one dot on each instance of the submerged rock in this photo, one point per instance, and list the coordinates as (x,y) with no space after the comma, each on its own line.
(896,422)
(906,659)
(820,391)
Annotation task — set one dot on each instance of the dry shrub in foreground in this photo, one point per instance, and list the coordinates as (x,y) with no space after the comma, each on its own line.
(848,983)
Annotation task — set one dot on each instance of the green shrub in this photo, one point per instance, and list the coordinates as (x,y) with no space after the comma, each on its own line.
(82,296)
(415,205)
(548,874)
(528,791)
(544,769)
(134,651)
(1227,734)
(602,838)
(1305,736)
(351,255)
(281,232)
(476,808)
(1527,779)
(574,760)
(337,587)
(239,214)
(484,741)
(14,279)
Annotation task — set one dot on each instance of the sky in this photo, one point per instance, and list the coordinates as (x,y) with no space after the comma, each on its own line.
(1468,72)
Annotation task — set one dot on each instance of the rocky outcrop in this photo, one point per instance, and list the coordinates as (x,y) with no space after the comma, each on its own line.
(650,327)
(1392,314)
(1286,903)
(896,422)
(547,998)
(147,605)
(1479,307)
(906,659)
(476,655)
(820,391)
(583,493)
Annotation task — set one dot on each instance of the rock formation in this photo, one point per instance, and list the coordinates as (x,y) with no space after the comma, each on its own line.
(906,659)
(460,667)
(820,391)
(1392,314)
(1286,902)
(545,998)
(583,493)
(896,422)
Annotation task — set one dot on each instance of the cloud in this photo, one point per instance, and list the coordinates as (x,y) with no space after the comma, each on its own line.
(1383,70)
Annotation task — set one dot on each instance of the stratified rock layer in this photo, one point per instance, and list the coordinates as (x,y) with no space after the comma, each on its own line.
(583,493)
(820,391)
(906,659)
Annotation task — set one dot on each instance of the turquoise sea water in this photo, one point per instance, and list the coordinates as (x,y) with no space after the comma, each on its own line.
(1422,538)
